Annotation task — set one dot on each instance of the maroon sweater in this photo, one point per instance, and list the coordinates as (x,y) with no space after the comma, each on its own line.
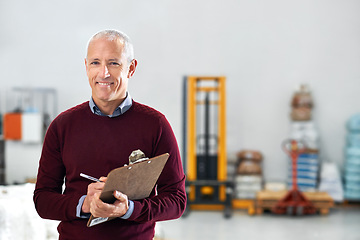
(80,141)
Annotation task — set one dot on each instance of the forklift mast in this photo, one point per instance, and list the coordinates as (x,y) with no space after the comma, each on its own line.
(204,143)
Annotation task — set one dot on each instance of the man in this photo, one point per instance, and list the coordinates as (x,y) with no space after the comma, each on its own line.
(98,136)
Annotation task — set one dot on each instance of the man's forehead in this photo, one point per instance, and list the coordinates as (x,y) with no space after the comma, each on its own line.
(105,46)
(105,42)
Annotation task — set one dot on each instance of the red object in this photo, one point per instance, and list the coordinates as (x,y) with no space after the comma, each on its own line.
(12,126)
(294,202)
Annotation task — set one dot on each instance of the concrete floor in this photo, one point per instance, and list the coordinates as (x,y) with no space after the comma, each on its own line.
(340,224)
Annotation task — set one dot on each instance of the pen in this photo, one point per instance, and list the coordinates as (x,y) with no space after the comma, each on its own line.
(89,177)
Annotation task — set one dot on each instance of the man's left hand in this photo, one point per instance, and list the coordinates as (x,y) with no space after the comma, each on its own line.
(118,209)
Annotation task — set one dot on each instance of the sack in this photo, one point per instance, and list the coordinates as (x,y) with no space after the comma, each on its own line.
(330,181)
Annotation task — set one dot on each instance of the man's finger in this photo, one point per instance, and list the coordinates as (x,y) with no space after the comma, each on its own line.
(120,196)
(103,179)
(98,186)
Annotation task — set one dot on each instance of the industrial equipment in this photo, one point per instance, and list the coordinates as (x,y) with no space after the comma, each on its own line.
(204,147)
(294,202)
(26,113)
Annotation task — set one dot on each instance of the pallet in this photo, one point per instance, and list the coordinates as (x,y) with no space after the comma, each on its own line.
(266,200)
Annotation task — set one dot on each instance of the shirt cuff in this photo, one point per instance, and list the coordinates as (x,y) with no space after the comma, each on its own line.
(129,211)
(78,209)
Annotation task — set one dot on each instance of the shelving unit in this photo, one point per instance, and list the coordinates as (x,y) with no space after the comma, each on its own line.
(34,109)
(2,161)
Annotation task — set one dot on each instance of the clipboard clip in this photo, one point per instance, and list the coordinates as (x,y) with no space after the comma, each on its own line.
(136,156)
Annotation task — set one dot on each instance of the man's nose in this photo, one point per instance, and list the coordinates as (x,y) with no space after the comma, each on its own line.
(105,72)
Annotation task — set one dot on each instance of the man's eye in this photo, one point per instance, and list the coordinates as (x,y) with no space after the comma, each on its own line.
(114,63)
(94,63)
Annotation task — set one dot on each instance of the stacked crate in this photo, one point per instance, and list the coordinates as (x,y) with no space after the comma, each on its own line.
(248,178)
(307,169)
(303,129)
(352,163)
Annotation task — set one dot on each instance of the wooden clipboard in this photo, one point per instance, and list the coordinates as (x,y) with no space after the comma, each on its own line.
(135,180)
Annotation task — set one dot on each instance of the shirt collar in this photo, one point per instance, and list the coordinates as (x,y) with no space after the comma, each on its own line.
(121,109)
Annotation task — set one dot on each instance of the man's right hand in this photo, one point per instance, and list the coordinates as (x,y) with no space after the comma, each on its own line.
(93,188)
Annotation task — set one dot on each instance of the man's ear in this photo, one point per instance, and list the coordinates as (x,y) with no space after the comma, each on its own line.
(132,68)
(86,64)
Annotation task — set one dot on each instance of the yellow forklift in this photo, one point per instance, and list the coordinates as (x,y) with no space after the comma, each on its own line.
(204,145)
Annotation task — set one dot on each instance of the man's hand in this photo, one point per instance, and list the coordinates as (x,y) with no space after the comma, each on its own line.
(93,189)
(118,209)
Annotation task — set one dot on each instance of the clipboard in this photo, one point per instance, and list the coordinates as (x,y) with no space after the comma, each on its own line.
(135,180)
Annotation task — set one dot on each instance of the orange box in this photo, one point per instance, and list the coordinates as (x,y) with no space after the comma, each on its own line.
(12,126)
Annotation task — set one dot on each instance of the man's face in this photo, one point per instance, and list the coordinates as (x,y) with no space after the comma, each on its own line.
(108,70)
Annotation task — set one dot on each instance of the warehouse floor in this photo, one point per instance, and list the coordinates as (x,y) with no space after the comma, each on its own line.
(342,223)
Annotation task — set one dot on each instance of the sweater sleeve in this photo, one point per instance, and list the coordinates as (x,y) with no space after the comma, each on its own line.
(170,200)
(50,202)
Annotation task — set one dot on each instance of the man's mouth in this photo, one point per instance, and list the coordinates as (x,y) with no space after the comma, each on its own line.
(104,83)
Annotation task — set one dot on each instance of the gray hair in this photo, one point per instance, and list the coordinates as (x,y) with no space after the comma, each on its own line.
(113,35)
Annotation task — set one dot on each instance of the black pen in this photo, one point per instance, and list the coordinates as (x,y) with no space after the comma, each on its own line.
(89,177)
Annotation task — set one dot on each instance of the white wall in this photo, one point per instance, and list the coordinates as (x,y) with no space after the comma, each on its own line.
(264,48)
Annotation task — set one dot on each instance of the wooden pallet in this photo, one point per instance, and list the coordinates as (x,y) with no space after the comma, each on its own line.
(266,200)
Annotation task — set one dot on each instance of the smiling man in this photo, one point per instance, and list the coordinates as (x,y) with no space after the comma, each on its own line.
(109,65)
(98,136)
